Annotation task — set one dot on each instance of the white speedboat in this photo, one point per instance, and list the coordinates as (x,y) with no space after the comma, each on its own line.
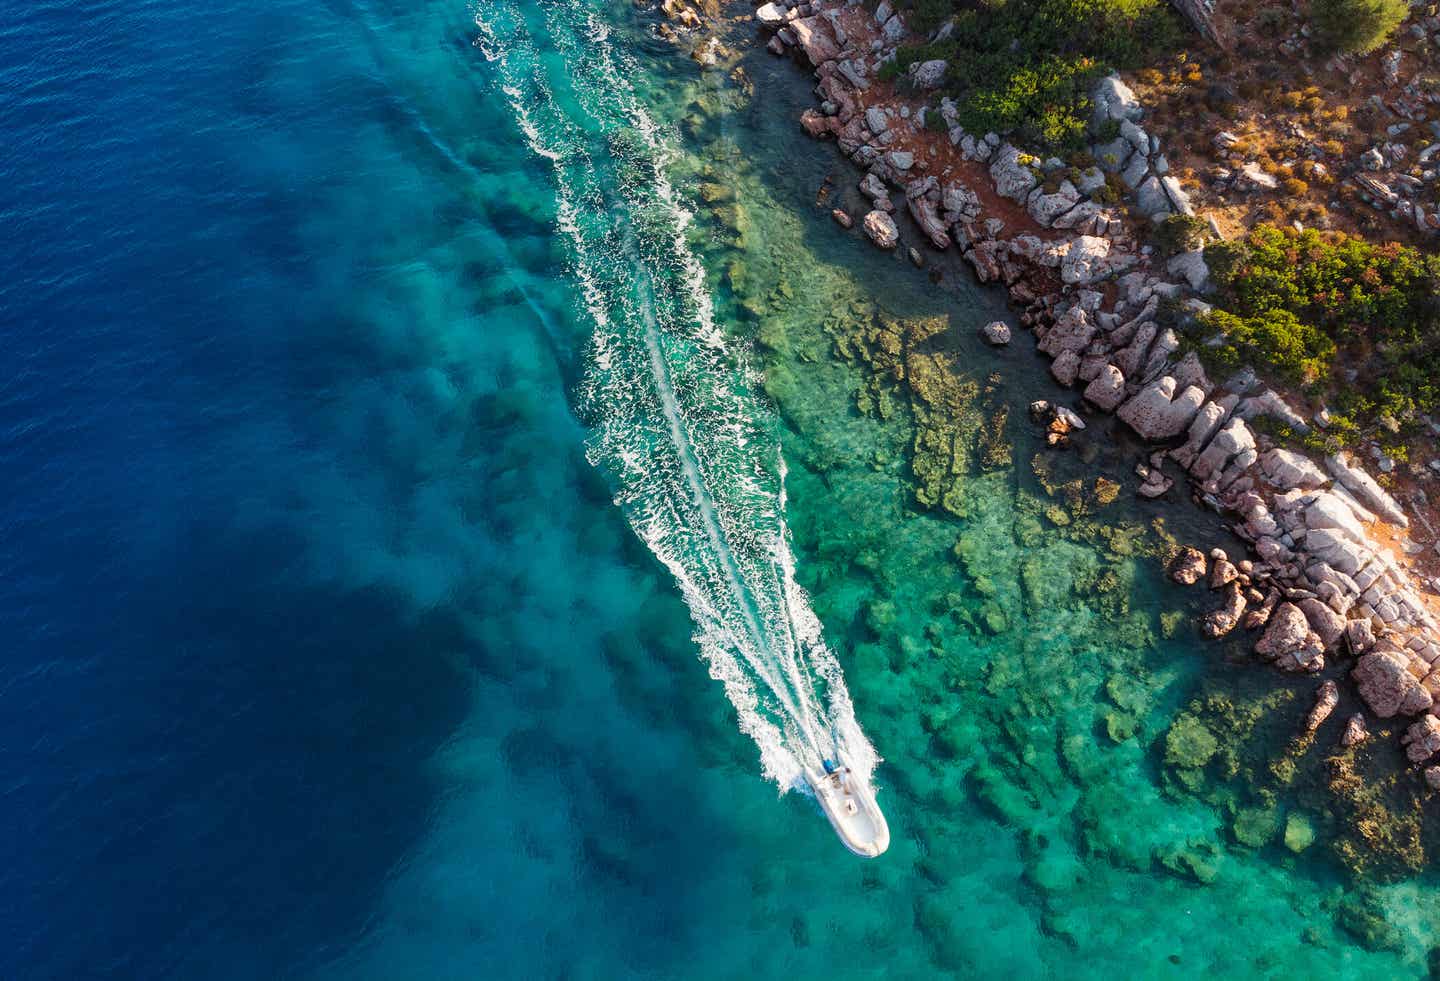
(850,805)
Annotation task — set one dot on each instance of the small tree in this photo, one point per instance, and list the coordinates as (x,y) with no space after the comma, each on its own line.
(1357,26)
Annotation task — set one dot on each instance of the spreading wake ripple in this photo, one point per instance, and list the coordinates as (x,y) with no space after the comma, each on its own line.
(675,423)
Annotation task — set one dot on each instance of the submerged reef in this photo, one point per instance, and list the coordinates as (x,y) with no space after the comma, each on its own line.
(1000,608)
(1238,745)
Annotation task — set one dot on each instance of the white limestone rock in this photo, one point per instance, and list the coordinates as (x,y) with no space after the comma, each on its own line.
(997,332)
(880,227)
(1363,486)
(1156,412)
(1284,469)
(1329,511)
(1013,179)
(1151,199)
(1086,261)
(1232,439)
(1072,332)
(1107,390)
(1179,200)
(1114,100)
(1045,208)
(770,15)
(1335,548)
(928,74)
(1191,267)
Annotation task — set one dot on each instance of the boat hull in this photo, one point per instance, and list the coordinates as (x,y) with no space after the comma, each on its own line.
(850,806)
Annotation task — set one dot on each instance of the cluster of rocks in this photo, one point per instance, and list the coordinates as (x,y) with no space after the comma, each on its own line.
(1317,583)
(1059,422)
(1399,174)
(1135,155)
(1385,186)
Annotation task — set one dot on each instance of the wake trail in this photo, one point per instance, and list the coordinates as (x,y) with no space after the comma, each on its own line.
(673,418)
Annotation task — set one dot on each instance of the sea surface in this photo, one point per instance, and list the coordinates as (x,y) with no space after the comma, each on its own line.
(441,513)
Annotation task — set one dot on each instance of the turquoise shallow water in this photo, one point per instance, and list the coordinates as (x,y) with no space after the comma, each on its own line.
(1025,839)
(339,658)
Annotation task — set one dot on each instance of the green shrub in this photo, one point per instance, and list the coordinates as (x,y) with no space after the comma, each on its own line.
(1179,233)
(1293,301)
(1027,66)
(1275,340)
(1357,26)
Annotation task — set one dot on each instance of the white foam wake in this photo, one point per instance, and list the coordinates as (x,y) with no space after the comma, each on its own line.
(693,454)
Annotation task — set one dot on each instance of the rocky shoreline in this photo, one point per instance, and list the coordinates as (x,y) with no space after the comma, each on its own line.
(1321,583)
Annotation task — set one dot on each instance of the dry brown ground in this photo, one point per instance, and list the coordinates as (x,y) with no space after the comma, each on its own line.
(1285,102)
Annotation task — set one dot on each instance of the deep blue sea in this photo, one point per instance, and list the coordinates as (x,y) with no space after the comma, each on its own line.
(392,414)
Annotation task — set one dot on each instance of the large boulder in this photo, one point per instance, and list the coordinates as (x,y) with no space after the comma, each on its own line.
(1221,621)
(1329,511)
(1112,157)
(1114,100)
(1422,739)
(1150,197)
(818,125)
(928,74)
(1106,390)
(813,36)
(1156,412)
(1359,636)
(1179,200)
(1066,368)
(1289,641)
(881,229)
(1013,178)
(1326,623)
(1138,138)
(900,160)
(1191,267)
(1271,403)
(1072,332)
(997,332)
(921,197)
(874,189)
(1363,486)
(1136,171)
(1388,687)
(1085,260)
(770,15)
(959,201)
(1336,549)
(1284,469)
(1045,208)
(1325,701)
(1356,732)
(1188,567)
(1232,439)
(1201,428)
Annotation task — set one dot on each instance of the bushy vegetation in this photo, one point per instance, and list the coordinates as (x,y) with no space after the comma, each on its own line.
(1304,305)
(1179,233)
(1276,339)
(1357,26)
(1027,66)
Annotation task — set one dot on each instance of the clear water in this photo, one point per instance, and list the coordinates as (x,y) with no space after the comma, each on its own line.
(329,652)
